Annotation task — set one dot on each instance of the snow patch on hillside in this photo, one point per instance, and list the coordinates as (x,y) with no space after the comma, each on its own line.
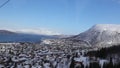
(107,27)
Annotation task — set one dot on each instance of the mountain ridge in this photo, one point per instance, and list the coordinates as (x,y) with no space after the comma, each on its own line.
(101,35)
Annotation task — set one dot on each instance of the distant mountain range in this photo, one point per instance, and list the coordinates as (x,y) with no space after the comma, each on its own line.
(101,35)
(9,36)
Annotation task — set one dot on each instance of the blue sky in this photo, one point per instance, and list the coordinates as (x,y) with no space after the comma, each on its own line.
(63,16)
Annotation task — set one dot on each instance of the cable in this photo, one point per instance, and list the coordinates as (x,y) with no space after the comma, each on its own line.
(4,3)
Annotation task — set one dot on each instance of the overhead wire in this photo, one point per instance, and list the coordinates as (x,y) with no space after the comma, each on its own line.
(4,3)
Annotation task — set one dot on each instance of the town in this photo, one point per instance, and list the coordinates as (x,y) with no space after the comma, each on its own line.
(31,55)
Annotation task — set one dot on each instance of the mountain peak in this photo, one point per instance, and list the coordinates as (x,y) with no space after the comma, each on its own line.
(106,27)
(101,35)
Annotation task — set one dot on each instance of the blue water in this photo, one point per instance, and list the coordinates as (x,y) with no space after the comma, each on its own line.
(23,38)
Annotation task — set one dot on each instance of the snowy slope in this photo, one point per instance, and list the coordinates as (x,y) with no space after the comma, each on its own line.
(101,35)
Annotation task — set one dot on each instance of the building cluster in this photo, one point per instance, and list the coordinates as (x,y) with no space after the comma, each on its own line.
(31,55)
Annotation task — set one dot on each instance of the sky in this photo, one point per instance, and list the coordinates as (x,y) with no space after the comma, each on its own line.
(58,16)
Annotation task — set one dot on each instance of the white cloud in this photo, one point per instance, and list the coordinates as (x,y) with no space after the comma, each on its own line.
(35,31)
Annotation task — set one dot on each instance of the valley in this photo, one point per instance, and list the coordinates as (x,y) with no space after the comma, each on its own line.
(97,47)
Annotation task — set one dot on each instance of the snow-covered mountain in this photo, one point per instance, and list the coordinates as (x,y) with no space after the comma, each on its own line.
(101,35)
